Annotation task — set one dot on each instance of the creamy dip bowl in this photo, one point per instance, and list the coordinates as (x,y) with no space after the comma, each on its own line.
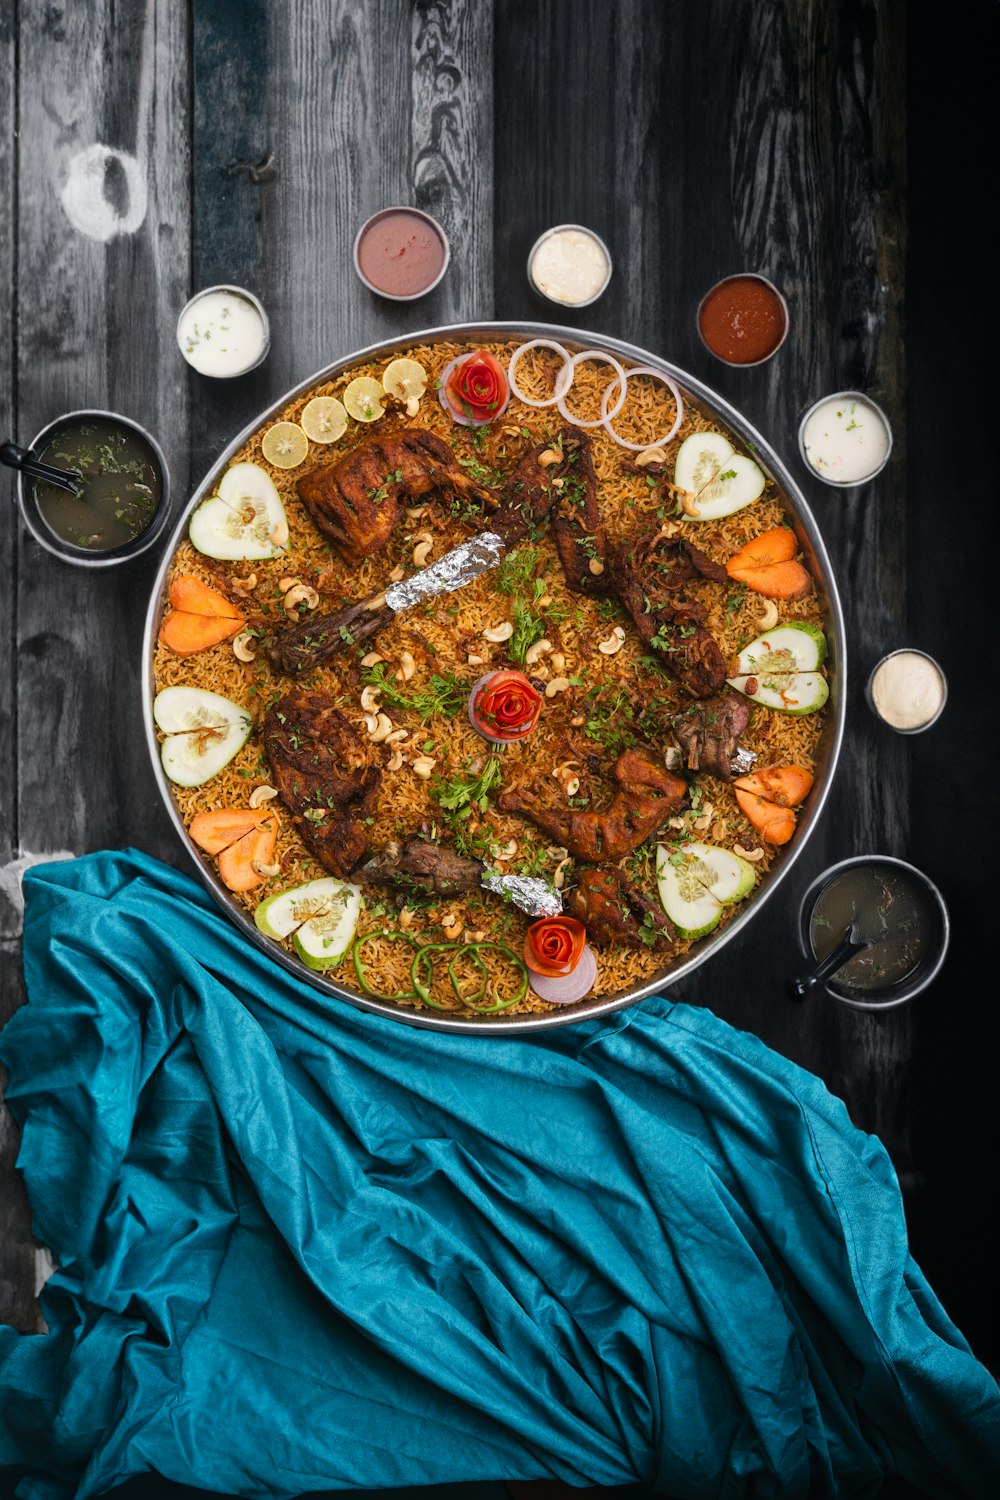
(845,439)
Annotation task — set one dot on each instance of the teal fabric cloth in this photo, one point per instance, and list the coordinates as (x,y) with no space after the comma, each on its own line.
(301,1247)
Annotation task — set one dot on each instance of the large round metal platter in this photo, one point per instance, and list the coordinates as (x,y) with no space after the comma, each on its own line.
(799,518)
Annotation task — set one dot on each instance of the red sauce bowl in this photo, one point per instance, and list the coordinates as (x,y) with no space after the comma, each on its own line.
(401,253)
(743,320)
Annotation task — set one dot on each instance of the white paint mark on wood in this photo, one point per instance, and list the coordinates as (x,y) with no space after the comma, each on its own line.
(106,191)
(12,874)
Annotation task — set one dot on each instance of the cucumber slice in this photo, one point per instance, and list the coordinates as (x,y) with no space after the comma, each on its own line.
(322,942)
(795,647)
(280,915)
(686,899)
(738,483)
(726,875)
(203,732)
(243,519)
(699,459)
(785,692)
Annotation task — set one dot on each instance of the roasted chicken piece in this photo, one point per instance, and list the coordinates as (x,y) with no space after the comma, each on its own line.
(648,794)
(320,769)
(708,735)
(419,865)
(613,911)
(648,574)
(355,502)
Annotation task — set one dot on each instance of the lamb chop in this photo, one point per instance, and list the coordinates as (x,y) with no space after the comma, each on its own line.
(708,735)
(320,769)
(648,574)
(613,911)
(567,490)
(355,502)
(419,865)
(648,794)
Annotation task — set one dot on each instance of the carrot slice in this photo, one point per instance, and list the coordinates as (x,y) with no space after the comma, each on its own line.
(239,865)
(185,633)
(785,785)
(217,830)
(774,546)
(189,593)
(773,823)
(784,580)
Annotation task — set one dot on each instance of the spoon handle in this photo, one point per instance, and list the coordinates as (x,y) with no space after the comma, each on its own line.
(801,988)
(25,462)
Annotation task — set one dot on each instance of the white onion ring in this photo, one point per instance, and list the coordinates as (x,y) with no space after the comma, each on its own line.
(566,989)
(567,370)
(604,359)
(446,405)
(606,415)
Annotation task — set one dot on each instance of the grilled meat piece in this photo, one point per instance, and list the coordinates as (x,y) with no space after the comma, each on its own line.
(420,865)
(613,911)
(566,491)
(708,734)
(319,764)
(355,502)
(648,574)
(318,638)
(648,794)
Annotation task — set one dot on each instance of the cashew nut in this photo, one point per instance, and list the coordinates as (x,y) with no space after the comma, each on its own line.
(557,685)
(395,761)
(370,723)
(578,721)
(557,661)
(406,917)
(545,601)
(572,786)
(651,455)
(540,648)
(451,925)
(476,661)
(372,659)
(407,664)
(559,877)
(498,633)
(383,727)
(397,737)
(688,505)
(300,594)
(614,642)
(412,406)
(718,830)
(596,566)
(284,584)
(677,824)
(266,870)
(422,552)
(243,646)
(261,794)
(767,614)
(670,528)
(397,574)
(473,935)
(504,851)
(370,698)
(423,766)
(550,456)
(278,534)
(751,854)
(244,585)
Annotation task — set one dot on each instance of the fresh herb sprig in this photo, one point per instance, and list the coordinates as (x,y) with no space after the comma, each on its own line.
(443,693)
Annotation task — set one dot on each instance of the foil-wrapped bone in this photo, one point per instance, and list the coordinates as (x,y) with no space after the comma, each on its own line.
(536,897)
(453,571)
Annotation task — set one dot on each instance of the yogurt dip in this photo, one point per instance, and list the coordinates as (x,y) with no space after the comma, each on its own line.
(907,690)
(570,265)
(223,331)
(845,438)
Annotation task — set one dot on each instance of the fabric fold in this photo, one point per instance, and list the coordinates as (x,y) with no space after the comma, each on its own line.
(304,1247)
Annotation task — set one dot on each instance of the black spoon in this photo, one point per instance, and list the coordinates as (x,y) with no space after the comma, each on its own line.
(25,462)
(850,943)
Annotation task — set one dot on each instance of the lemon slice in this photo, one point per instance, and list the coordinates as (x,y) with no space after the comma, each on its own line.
(405,378)
(324,419)
(284,445)
(363,399)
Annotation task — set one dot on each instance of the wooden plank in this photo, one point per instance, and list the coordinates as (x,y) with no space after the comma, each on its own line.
(102,264)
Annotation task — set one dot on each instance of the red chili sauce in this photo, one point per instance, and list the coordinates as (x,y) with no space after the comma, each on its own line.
(400,254)
(742,320)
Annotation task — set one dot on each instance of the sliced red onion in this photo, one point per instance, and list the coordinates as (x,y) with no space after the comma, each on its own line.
(603,359)
(607,415)
(565,989)
(562,386)
(446,405)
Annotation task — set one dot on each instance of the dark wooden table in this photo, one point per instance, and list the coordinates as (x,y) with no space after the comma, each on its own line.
(818,141)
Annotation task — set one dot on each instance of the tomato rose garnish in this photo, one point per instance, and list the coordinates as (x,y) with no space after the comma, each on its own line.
(554,945)
(504,706)
(477,387)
